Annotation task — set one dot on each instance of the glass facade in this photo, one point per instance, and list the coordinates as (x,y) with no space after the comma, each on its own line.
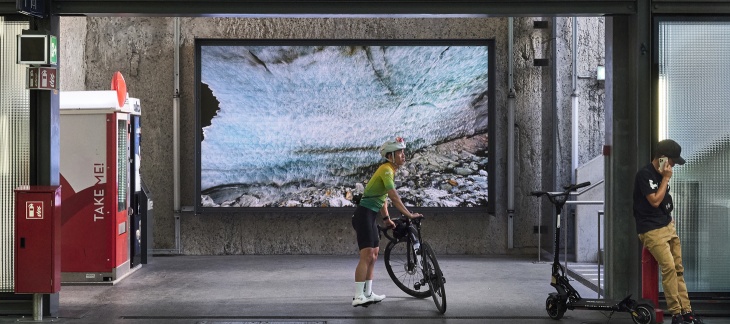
(694,110)
(14,143)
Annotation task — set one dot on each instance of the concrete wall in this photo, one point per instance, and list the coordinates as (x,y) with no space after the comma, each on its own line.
(72,52)
(590,52)
(586,228)
(142,49)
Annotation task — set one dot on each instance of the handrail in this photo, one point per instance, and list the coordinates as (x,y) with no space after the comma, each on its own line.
(598,244)
(584,202)
(598,253)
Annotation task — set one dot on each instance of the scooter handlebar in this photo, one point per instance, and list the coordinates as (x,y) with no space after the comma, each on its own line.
(572,187)
(581,185)
(567,191)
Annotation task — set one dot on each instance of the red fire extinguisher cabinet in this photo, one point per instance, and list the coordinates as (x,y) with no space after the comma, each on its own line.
(37,239)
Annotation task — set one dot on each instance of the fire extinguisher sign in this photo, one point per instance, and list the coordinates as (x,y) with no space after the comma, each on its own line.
(34,210)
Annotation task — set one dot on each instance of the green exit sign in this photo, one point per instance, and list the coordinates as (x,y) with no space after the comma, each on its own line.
(53,50)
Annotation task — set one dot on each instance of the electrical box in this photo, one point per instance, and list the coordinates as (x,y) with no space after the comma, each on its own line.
(37,240)
(96,172)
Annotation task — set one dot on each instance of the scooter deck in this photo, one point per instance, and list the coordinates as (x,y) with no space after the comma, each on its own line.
(588,303)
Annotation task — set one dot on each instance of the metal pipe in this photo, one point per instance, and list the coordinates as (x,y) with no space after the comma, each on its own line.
(574,102)
(555,156)
(38,307)
(584,202)
(598,254)
(175,140)
(510,137)
(176,119)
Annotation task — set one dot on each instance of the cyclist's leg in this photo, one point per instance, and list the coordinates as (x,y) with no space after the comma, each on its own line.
(363,221)
(364,269)
(371,266)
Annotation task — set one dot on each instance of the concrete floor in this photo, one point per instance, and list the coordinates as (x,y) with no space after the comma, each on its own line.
(316,289)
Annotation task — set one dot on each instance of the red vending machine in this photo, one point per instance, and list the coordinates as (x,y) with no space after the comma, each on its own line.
(94,167)
(37,240)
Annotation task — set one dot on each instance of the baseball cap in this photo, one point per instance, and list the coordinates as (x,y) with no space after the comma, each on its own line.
(670,149)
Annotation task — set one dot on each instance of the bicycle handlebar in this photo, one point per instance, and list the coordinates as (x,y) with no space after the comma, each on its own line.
(408,221)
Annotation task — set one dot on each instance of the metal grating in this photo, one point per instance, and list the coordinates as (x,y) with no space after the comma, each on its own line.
(693,110)
(14,143)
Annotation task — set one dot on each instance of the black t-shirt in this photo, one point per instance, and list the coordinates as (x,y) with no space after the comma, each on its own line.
(647,181)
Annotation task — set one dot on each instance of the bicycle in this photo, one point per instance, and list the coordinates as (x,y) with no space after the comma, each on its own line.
(411,262)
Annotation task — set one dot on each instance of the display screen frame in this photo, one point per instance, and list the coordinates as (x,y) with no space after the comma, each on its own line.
(33,49)
(200,43)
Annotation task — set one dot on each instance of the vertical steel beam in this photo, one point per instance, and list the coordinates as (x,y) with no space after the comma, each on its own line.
(45,138)
(628,94)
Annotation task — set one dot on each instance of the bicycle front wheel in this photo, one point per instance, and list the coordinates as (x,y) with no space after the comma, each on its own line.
(434,277)
(404,268)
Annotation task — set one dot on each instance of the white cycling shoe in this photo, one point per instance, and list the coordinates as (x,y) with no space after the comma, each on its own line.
(361,300)
(376,298)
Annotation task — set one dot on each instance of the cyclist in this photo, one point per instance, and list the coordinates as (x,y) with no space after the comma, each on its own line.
(380,187)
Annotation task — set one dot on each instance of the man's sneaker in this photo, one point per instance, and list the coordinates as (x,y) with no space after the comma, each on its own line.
(361,300)
(690,317)
(678,319)
(376,298)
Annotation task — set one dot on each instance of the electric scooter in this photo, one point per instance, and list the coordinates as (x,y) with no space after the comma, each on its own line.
(566,296)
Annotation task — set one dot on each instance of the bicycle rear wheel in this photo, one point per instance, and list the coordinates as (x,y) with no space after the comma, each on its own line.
(434,277)
(404,269)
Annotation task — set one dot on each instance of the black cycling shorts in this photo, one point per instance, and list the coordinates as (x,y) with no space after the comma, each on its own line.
(363,221)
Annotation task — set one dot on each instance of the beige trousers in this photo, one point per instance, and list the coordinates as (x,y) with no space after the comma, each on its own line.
(663,243)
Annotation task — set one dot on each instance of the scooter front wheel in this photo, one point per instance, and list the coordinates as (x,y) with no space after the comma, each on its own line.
(644,314)
(554,307)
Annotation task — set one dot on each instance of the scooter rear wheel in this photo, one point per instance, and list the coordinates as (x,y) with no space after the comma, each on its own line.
(644,314)
(554,307)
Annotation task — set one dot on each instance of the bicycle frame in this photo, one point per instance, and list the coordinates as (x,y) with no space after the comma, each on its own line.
(414,234)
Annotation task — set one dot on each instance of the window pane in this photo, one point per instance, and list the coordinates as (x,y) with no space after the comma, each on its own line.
(14,143)
(694,105)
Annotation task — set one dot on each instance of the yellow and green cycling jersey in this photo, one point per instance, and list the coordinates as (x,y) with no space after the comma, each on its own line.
(376,191)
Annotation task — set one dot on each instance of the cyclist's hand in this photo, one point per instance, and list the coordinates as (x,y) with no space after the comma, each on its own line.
(389,223)
(416,215)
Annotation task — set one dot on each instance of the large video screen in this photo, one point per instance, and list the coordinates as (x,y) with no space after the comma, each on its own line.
(297,124)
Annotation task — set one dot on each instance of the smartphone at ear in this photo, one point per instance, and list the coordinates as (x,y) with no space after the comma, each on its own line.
(662,163)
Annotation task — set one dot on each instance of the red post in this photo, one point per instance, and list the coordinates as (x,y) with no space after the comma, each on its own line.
(650,282)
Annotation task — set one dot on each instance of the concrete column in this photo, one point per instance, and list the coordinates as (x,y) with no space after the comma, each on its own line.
(622,258)
(44,122)
(45,140)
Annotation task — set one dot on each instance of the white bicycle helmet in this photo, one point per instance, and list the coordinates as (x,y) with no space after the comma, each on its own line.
(391,146)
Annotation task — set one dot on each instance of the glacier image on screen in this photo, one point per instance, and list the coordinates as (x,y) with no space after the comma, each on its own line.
(299,126)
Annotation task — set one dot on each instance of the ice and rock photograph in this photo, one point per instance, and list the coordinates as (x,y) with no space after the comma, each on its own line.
(300,126)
